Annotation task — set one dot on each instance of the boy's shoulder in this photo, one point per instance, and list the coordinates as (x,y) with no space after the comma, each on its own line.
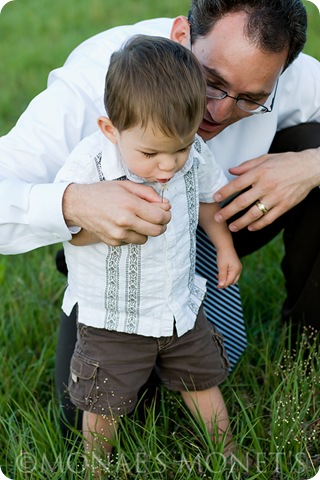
(81,165)
(210,174)
(89,145)
(201,151)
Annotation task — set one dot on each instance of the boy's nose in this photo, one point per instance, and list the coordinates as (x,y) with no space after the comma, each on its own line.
(167,163)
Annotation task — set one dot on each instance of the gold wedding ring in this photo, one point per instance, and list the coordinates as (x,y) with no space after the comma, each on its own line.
(263,209)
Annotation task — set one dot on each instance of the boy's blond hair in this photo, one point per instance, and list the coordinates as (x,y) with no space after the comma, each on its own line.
(153,79)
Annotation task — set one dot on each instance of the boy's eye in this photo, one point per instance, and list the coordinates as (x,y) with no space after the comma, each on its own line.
(185,149)
(149,155)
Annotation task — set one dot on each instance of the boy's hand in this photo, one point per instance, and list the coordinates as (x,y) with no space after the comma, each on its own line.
(229,268)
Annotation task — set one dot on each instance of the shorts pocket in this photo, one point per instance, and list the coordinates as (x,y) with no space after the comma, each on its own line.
(219,341)
(83,380)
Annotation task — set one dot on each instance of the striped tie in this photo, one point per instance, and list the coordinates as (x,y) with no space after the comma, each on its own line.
(223,306)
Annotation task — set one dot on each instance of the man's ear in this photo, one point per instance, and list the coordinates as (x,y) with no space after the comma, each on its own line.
(108,129)
(180,31)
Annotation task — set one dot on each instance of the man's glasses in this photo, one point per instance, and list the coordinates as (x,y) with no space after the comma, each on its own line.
(244,104)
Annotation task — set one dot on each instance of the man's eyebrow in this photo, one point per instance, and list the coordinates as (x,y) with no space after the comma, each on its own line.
(253,95)
(213,72)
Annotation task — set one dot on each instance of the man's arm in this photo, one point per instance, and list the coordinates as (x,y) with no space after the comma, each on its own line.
(34,212)
(32,208)
(30,156)
(280,181)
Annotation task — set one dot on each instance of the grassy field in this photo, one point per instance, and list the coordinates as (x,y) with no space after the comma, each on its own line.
(272,397)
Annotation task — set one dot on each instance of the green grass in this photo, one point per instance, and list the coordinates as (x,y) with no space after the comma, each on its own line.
(273,399)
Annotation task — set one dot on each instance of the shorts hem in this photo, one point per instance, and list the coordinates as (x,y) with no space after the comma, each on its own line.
(192,387)
(93,408)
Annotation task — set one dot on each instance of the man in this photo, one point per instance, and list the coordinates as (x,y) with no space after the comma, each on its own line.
(246,48)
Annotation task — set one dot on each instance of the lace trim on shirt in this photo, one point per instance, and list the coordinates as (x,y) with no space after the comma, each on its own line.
(192,202)
(97,160)
(133,287)
(197,145)
(112,288)
(133,278)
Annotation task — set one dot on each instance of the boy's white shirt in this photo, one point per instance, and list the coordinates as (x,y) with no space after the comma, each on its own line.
(143,289)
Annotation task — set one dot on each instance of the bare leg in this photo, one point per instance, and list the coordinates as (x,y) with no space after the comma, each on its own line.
(209,405)
(98,433)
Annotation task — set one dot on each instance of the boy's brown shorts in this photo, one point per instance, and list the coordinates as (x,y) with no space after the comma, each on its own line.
(108,368)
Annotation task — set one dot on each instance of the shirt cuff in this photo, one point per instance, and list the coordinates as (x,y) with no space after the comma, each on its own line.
(45,212)
(74,230)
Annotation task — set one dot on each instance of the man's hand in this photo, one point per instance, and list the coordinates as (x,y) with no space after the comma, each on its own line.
(116,212)
(279,181)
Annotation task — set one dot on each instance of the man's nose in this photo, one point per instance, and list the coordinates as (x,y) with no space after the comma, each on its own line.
(221,110)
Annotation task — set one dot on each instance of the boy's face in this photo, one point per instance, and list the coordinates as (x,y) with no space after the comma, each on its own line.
(149,153)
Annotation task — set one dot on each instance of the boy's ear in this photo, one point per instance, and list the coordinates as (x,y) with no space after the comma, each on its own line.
(180,31)
(107,128)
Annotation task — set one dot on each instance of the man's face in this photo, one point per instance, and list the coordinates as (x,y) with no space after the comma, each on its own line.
(236,66)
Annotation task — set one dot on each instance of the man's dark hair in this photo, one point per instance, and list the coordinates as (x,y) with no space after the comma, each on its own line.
(273,25)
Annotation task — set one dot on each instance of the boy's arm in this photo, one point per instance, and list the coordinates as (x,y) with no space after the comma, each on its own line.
(229,265)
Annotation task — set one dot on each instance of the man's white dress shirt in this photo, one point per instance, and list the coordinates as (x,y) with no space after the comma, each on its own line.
(66,112)
(143,289)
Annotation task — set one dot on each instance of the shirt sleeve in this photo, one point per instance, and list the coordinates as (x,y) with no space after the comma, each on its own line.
(210,173)
(80,166)
(299,96)
(32,153)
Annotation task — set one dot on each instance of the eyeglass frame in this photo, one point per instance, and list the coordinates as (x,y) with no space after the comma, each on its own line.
(237,99)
